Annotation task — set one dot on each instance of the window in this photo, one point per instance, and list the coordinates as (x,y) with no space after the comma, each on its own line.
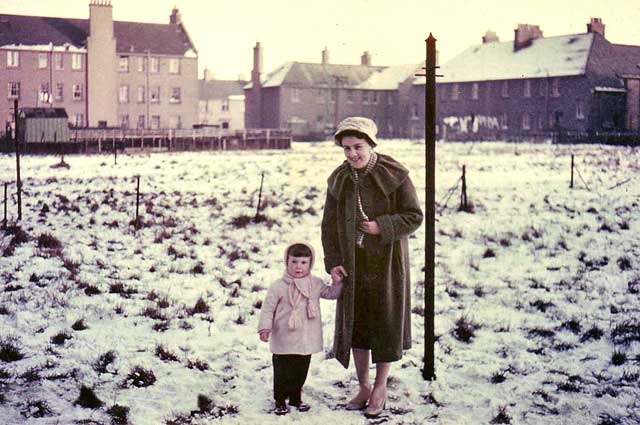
(123,94)
(140,96)
(225,105)
(57,61)
(43,60)
(76,61)
(155,122)
(365,97)
(414,110)
(175,122)
(140,121)
(59,91)
(504,121)
(332,95)
(154,94)
(174,66)
(540,122)
(555,88)
(320,96)
(77,92)
(141,64)
(43,94)
(350,96)
(375,97)
(13,59)
(389,99)
(474,91)
(505,89)
(78,120)
(123,64)
(579,111)
(542,88)
(13,91)
(526,122)
(295,95)
(527,88)
(154,65)
(124,121)
(455,91)
(176,96)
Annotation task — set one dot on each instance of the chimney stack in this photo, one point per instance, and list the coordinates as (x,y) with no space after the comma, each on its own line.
(490,37)
(257,64)
(325,56)
(596,26)
(524,35)
(365,59)
(175,18)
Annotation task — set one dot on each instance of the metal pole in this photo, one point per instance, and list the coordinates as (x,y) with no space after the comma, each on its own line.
(137,201)
(571,185)
(4,221)
(17,145)
(428,373)
(259,199)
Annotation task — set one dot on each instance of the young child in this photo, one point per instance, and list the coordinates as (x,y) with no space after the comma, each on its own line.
(290,315)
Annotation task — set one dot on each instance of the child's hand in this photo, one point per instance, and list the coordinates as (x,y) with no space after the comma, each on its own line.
(337,274)
(336,278)
(264,335)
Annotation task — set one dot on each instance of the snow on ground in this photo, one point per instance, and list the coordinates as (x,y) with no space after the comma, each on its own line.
(536,288)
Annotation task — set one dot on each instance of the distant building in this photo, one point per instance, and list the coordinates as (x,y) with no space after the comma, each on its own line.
(531,86)
(310,99)
(103,73)
(221,103)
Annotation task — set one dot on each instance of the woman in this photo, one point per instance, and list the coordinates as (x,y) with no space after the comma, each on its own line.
(370,209)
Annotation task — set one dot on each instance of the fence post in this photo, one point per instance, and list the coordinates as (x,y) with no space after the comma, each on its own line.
(4,221)
(571,184)
(137,202)
(463,196)
(259,199)
(17,145)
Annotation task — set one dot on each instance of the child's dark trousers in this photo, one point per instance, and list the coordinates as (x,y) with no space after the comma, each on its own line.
(289,374)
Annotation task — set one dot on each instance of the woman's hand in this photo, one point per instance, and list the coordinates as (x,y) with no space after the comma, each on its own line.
(338,273)
(264,335)
(370,227)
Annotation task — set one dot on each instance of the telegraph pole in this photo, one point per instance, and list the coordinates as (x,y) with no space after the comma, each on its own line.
(17,145)
(428,373)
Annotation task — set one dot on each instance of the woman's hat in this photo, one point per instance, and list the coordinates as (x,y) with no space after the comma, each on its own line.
(363,125)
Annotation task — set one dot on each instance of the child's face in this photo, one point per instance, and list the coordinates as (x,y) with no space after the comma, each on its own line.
(298,266)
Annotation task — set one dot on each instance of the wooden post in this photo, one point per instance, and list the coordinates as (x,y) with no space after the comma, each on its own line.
(259,199)
(137,202)
(115,151)
(4,221)
(17,144)
(428,373)
(571,184)
(463,195)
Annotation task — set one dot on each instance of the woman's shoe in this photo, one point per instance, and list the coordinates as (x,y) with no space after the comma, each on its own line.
(374,411)
(358,403)
(281,409)
(301,406)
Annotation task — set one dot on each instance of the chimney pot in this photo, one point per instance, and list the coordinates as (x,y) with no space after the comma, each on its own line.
(325,56)
(365,59)
(525,34)
(596,26)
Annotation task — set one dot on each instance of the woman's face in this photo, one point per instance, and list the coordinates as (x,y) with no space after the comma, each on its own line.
(357,151)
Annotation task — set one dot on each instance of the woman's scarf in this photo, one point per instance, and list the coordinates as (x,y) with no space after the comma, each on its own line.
(357,175)
(299,294)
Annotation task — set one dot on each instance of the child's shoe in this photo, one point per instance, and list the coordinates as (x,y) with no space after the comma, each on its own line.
(281,408)
(301,406)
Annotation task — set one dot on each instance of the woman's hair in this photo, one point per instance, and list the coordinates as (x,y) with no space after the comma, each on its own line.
(299,250)
(353,133)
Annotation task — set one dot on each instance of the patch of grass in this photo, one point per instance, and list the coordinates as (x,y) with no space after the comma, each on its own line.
(79,325)
(103,361)
(625,263)
(489,253)
(634,285)
(542,306)
(161,326)
(502,417)
(593,333)
(139,377)
(572,325)
(465,329)
(10,350)
(88,399)
(198,268)
(119,414)
(48,241)
(123,291)
(31,375)
(36,409)
(498,377)
(201,365)
(164,354)
(200,307)
(541,332)
(618,358)
(92,290)
(60,338)
(153,313)
(626,332)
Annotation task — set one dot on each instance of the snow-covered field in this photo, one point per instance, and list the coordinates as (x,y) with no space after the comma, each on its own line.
(537,289)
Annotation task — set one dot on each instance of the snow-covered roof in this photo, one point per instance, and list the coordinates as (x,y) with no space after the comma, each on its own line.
(274,78)
(389,77)
(559,56)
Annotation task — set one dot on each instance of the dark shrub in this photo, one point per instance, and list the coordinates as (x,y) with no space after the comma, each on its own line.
(198,364)
(200,307)
(9,350)
(79,325)
(140,377)
(119,414)
(88,399)
(36,409)
(498,377)
(626,332)
(60,338)
(618,358)
(625,263)
(465,329)
(165,355)
(48,241)
(593,333)
(105,360)
(502,417)
(572,325)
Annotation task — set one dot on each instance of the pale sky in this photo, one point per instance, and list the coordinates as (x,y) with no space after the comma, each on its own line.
(393,31)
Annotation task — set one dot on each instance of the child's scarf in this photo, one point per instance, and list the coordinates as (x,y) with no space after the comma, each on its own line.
(299,293)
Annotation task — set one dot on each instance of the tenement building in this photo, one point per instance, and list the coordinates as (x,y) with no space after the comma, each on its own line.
(104,73)
(535,86)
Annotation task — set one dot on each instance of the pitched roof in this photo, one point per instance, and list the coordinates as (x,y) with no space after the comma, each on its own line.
(627,59)
(42,113)
(164,39)
(389,77)
(220,89)
(559,56)
(317,75)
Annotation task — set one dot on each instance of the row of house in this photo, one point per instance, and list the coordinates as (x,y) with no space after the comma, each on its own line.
(526,88)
